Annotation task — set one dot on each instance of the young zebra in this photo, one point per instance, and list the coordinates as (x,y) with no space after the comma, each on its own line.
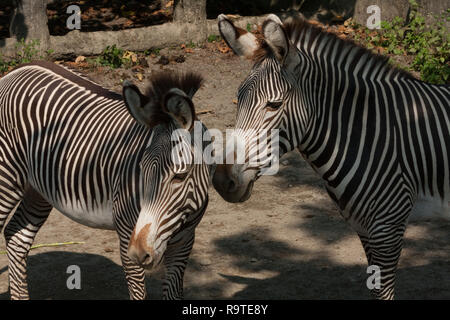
(379,138)
(70,144)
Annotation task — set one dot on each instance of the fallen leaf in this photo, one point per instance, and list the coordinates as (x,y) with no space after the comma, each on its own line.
(130,56)
(223,47)
(80,59)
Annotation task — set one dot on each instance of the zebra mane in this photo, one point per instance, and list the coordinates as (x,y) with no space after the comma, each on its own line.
(161,83)
(295,28)
(73,76)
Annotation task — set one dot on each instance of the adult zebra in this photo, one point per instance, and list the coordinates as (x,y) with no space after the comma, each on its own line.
(379,138)
(66,142)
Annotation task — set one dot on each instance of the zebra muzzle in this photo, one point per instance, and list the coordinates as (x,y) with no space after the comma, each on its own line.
(138,249)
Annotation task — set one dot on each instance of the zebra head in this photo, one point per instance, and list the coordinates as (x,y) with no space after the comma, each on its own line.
(173,188)
(267,102)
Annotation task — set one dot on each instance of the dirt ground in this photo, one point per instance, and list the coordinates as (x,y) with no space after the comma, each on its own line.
(286,242)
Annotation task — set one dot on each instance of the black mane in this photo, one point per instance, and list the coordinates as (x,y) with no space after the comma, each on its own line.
(161,83)
(295,28)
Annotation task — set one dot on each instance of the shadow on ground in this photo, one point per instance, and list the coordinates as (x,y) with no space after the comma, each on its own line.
(101,278)
(321,277)
(294,274)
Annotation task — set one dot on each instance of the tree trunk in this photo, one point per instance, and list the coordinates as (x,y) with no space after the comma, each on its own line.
(401,8)
(388,9)
(190,11)
(29,22)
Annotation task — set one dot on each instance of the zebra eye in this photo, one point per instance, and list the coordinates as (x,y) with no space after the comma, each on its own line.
(179,177)
(274,105)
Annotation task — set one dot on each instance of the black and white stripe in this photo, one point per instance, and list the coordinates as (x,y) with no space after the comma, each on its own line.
(67,143)
(378,137)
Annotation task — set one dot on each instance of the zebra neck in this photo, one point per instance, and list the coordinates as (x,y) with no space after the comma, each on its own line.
(333,77)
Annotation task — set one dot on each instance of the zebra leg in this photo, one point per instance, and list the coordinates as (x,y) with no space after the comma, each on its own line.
(134,274)
(383,250)
(175,261)
(10,195)
(19,235)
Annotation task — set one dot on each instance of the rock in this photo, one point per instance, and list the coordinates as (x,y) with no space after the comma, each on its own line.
(180,59)
(205,262)
(163,60)
(143,62)
(164,52)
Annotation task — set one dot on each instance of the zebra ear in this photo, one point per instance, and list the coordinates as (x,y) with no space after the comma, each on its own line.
(242,42)
(275,36)
(136,103)
(180,107)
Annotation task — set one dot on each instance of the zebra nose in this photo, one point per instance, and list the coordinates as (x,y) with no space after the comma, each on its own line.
(231,185)
(223,180)
(138,249)
(141,257)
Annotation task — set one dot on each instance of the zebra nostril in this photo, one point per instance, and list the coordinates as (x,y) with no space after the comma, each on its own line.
(231,186)
(140,257)
(146,260)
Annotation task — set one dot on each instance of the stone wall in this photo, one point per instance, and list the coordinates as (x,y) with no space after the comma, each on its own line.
(174,33)
(139,39)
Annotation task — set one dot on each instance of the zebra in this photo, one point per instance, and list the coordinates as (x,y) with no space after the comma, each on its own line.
(379,138)
(104,160)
